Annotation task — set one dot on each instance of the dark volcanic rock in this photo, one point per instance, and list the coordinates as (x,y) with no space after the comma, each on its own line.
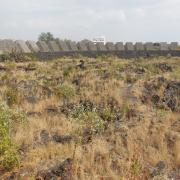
(162,93)
(44,134)
(172,95)
(164,67)
(160,166)
(62,139)
(60,171)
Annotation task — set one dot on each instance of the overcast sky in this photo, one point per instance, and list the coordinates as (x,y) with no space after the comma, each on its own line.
(117,20)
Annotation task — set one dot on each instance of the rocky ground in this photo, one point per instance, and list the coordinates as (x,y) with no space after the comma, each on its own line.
(84,118)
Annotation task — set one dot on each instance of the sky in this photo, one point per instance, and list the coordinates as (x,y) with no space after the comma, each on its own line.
(117,20)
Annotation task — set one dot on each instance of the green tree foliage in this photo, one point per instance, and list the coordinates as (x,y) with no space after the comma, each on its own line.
(46,37)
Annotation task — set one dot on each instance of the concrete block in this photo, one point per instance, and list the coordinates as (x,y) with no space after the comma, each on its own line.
(101,47)
(8,46)
(23,46)
(72,46)
(139,46)
(43,46)
(119,46)
(149,46)
(53,46)
(63,46)
(82,46)
(129,46)
(91,46)
(110,46)
(32,46)
(173,46)
(164,46)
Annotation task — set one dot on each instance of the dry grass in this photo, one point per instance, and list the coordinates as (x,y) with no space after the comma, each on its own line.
(127,146)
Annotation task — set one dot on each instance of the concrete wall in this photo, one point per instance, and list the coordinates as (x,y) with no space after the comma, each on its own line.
(54,49)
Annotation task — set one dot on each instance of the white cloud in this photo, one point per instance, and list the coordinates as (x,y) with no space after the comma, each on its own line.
(117,19)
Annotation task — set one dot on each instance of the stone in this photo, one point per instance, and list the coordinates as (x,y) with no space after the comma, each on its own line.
(63,46)
(32,46)
(158,169)
(31,99)
(101,47)
(82,46)
(8,46)
(91,46)
(110,46)
(164,46)
(139,46)
(82,64)
(53,46)
(59,171)
(129,46)
(22,46)
(43,46)
(173,46)
(149,46)
(62,138)
(44,134)
(119,46)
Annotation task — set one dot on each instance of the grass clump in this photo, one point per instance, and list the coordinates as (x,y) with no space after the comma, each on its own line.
(65,92)
(12,96)
(9,120)
(67,71)
(89,118)
(91,121)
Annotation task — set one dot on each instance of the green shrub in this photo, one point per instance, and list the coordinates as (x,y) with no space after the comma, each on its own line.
(90,120)
(9,121)
(107,114)
(11,65)
(130,79)
(136,167)
(64,91)
(12,96)
(67,71)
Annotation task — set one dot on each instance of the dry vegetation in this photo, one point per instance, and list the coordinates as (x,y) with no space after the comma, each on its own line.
(83,118)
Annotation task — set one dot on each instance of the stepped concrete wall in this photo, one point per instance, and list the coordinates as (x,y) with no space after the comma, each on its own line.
(54,49)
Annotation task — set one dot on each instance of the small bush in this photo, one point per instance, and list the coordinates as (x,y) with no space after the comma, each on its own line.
(107,114)
(90,120)
(136,167)
(130,79)
(9,121)
(64,91)
(11,65)
(67,71)
(12,95)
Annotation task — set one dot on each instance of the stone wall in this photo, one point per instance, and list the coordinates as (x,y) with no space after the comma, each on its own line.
(55,49)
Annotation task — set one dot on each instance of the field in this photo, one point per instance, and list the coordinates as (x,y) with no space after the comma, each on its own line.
(100,118)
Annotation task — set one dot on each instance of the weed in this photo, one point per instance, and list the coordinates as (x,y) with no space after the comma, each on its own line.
(67,71)
(64,91)
(12,96)
(8,122)
(129,79)
(136,167)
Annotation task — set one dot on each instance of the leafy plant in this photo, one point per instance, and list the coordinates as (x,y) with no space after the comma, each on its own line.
(136,167)
(67,71)
(9,121)
(64,91)
(92,121)
(11,95)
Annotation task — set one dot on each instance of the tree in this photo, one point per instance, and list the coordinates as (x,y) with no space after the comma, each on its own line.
(46,37)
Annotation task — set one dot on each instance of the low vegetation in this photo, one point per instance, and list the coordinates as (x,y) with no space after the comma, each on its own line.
(89,118)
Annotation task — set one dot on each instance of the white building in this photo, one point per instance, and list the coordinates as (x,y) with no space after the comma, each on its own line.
(101,39)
